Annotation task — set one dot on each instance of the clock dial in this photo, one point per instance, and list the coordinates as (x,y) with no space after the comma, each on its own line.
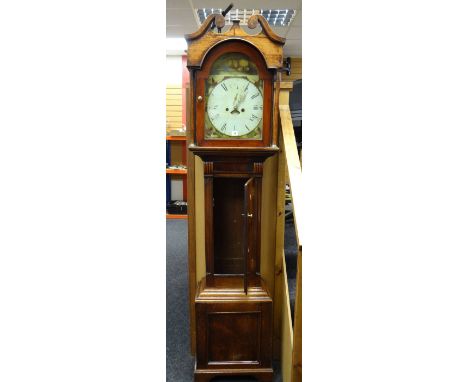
(235,107)
(234,99)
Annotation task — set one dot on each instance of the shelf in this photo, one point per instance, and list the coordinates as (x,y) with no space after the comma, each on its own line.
(176,138)
(175,169)
(177,172)
(174,216)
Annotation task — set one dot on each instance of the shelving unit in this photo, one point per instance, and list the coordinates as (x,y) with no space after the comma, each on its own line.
(177,172)
(176,138)
(178,78)
(175,216)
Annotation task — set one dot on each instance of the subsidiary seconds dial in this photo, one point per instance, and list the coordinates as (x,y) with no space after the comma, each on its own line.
(235,107)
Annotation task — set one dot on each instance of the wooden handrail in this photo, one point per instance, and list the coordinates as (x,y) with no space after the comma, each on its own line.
(293,166)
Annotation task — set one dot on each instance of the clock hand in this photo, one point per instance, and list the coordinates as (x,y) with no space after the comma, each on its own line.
(235,105)
(237,101)
(242,98)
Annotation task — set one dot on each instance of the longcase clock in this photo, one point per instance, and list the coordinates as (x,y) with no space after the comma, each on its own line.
(233,109)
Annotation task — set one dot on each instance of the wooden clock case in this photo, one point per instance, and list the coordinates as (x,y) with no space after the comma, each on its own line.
(233,307)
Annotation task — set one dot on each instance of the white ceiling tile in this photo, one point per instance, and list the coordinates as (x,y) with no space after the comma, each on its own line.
(178,4)
(294,33)
(179,16)
(177,31)
(297,19)
(280,31)
(293,48)
(246,4)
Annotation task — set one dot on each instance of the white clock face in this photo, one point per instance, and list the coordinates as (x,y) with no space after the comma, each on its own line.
(235,107)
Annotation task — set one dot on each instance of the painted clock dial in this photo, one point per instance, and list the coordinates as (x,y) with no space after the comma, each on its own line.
(235,107)
(234,99)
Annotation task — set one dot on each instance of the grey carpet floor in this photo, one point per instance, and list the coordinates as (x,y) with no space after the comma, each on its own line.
(179,362)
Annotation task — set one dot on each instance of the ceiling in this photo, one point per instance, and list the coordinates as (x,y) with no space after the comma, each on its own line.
(181,18)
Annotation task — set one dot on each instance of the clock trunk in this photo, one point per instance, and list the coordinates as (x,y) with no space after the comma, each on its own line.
(228,226)
(232,218)
(233,305)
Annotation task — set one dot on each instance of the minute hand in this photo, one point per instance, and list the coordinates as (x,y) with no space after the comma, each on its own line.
(235,104)
(241,99)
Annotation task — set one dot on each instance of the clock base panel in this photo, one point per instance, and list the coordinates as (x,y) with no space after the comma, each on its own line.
(234,332)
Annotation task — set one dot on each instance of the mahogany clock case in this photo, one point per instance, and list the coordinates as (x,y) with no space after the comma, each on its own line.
(233,306)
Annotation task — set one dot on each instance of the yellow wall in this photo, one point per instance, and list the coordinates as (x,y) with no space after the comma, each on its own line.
(173,106)
(173,78)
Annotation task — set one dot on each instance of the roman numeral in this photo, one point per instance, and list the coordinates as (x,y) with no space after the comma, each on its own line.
(247,127)
(253,118)
(223,128)
(224,87)
(256,107)
(255,95)
(247,86)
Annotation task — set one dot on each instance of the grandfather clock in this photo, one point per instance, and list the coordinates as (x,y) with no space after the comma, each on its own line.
(234,114)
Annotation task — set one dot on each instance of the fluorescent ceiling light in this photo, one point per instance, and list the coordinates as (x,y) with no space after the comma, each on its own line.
(275,17)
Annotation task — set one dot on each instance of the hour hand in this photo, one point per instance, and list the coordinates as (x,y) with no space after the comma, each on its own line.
(235,104)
